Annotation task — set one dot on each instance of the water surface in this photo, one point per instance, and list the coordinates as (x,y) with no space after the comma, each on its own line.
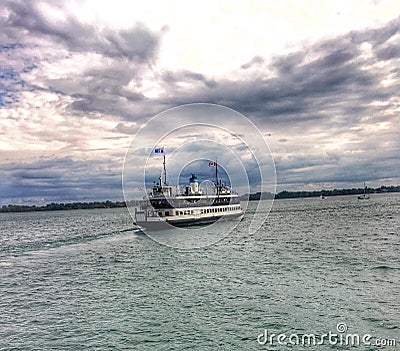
(84,280)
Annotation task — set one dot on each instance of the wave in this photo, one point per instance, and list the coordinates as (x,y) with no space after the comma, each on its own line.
(385,267)
(29,247)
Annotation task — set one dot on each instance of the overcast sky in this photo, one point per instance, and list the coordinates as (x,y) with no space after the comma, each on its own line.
(320,79)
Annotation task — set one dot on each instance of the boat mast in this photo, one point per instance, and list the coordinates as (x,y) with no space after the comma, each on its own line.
(216,175)
(165,172)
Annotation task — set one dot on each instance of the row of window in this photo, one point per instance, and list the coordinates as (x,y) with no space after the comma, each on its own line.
(202,211)
(209,210)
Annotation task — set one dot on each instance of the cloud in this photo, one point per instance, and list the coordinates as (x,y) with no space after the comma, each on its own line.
(255,61)
(61,179)
(79,90)
(337,74)
(27,20)
(101,68)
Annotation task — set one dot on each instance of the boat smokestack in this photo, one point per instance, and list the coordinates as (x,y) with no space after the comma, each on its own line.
(194,184)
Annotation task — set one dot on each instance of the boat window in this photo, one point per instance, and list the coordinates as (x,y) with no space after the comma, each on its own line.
(167,213)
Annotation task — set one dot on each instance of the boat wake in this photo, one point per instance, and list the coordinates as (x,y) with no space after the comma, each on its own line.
(30,247)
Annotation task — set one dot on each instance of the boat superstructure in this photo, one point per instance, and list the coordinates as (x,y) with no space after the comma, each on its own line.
(189,206)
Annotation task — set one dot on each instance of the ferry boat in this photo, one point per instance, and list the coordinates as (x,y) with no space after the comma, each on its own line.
(189,207)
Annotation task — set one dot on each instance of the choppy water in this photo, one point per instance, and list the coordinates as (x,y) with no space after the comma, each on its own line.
(82,280)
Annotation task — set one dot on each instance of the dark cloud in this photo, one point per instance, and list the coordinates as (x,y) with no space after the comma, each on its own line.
(389,52)
(372,170)
(375,36)
(104,89)
(25,19)
(61,179)
(315,84)
(29,38)
(172,79)
(256,60)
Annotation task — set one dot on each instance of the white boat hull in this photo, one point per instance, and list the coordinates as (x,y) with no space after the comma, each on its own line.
(158,223)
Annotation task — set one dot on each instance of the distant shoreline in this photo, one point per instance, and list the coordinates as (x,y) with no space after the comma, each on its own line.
(63,206)
(317,193)
(251,197)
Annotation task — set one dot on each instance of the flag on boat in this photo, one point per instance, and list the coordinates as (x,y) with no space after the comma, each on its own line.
(159,150)
(212,163)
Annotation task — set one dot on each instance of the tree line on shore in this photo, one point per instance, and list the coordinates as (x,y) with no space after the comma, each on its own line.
(256,196)
(317,193)
(63,206)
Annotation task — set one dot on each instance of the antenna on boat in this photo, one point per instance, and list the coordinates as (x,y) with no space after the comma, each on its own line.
(216,175)
(165,172)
